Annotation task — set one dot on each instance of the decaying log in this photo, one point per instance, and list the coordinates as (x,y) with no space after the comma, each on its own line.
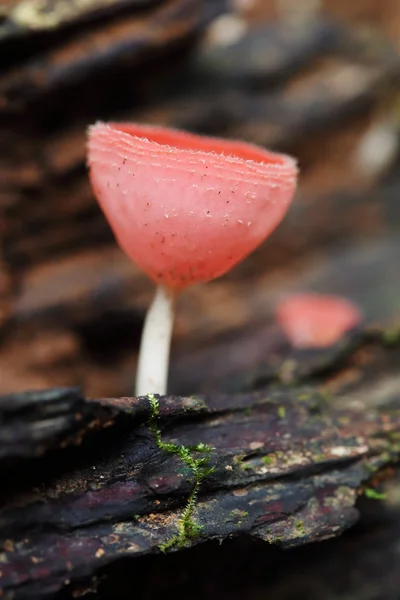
(361,564)
(86,483)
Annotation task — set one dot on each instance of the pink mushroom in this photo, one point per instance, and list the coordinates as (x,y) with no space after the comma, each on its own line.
(316,320)
(186,209)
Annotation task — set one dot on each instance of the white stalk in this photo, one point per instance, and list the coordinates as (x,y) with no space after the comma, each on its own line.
(152,369)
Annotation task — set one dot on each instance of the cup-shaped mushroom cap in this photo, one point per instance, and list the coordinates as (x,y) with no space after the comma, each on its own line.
(316,320)
(186,208)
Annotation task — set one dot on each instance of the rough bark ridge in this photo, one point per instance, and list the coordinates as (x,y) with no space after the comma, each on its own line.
(88,482)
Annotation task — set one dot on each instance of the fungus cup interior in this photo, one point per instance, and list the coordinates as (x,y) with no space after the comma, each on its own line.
(183,140)
(185,208)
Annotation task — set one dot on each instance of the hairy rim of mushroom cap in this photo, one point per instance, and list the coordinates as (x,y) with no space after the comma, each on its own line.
(316,320)
(186,208)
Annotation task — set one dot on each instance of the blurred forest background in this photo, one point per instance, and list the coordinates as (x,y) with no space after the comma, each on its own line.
(319,79)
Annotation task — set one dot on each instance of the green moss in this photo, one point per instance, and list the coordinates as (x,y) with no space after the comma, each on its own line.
(374,495)
(319,457)
(246,467)
(276,540)
(370,467)
(304,397)
(247,412)
(267,460)
(187,527)
(391,337)
(239,515)
(237,512)
(282,412)
(386,457)
(300,527)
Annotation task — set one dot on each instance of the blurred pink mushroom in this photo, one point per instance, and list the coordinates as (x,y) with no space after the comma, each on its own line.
(316,320)
(186,209)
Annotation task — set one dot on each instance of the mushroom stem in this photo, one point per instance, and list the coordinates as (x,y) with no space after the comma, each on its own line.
(152,369)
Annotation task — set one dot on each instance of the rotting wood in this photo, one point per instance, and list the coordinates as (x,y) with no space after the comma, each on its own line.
(288,463)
